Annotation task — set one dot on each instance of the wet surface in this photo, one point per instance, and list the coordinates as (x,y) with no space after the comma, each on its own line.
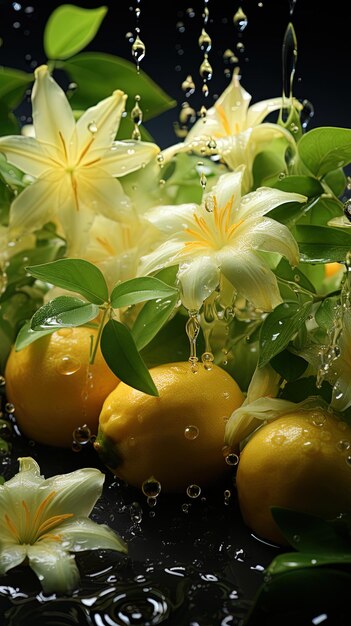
(191,561)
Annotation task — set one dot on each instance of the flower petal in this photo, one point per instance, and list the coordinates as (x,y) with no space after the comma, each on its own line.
(97,127)
(55,568)
(125,157)
(198,279)
(164,256)
(228,188)
(11,556)
(102,194)
(250,277)
(263,233)
(84,534)
(172,219)
(75,492)
(258,111)
(264,199)
(26,153)
(52,115)
(34,206)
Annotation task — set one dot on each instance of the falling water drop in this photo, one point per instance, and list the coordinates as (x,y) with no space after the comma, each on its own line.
(306,113)
(188,86)
(205,41)
(289,58)
(136,115)
(240,20)
(206,70)
(192,328)
(138,51)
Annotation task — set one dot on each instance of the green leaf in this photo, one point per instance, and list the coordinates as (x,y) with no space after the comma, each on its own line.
(27,335)
(306,185)
(140,289)
(289,365)
(98,75)
(295,276)
(326,313)
(267,167)
(63,312)
(291,212)
(75,275)
(6,198)
(325,149)
(122,357)
(13,84)
(322,211)
(17,268)
(299,560)
(152,318)
(11,175)
(309,533)
(279,327)
(336,181)
(322,244)
(70,28)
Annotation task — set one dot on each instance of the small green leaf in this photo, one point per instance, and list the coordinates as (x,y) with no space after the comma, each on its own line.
(322,244)
(13,84)
(122,357)
(291,212)
(306,185)
(289,365)
(299,560)
(11,175)
(62,312)
(325,149)
(98,75)
(322,211)
(138,290)
(326,313)
(336,180)
(152,318)
(295,276)
(280,326)
(70,28)
(309,533)
(75,275)
(27,335)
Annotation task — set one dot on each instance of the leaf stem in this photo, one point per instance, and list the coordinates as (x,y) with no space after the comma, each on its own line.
(98,337)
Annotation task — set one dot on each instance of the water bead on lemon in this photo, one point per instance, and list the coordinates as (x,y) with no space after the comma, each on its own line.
(53,387)
(177,438)
(300,461)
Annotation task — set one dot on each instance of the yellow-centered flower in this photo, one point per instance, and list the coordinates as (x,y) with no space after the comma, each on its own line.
(44,521)
(224,236)
(74,164)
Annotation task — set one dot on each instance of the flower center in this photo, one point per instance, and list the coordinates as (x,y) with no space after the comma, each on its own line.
(225,123)
(216,231)
(31,527)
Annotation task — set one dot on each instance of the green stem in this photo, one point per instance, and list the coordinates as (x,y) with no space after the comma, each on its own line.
(98,337)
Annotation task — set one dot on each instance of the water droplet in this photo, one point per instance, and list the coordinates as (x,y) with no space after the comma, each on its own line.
(207,358)
(151,487)
(343,445)
(230,57)
(209,205)
(278,440)
(151,501)
(348,460)
(289,52)
(240,20)
(240,47)
(296,538)
(212,144)
(203,113)
(129,36)
(160,159)
(227,494)
(188,86)
(347,209)
(2,381)
(185,508)
(187,115)
(10,408)
(203,180)
(231,459)
(180,27)
(193,491)
(205,41)
(92,128)
(68,365)
(205,69)
(311,447)
(318,419)
(205,90)
(136,513)
(138,50)
(82,434)
(76,447)
(190,12)
(191,432)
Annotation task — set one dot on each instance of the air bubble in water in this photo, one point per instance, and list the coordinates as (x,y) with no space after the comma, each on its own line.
(191,432)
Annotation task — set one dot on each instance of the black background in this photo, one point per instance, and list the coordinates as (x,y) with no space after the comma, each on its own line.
(322,74)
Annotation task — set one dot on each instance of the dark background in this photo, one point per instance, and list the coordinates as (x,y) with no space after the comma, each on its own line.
(170,34)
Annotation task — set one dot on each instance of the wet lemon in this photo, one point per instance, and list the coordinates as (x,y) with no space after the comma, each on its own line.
(301,461)
(176,438)
(53,387)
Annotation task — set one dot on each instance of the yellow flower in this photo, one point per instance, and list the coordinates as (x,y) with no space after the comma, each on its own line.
(225,239)
(45,520)
(74,164)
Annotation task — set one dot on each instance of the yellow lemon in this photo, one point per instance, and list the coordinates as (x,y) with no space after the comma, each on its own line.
(301,461)
(53,387)
(176,438)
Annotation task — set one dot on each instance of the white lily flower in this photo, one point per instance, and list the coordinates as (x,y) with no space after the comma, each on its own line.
(45,520)
(74,164)
(226,240)
(234,130)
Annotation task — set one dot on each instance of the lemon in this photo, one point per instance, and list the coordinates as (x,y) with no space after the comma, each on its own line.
(301,461)
(176,438)
(53,387)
